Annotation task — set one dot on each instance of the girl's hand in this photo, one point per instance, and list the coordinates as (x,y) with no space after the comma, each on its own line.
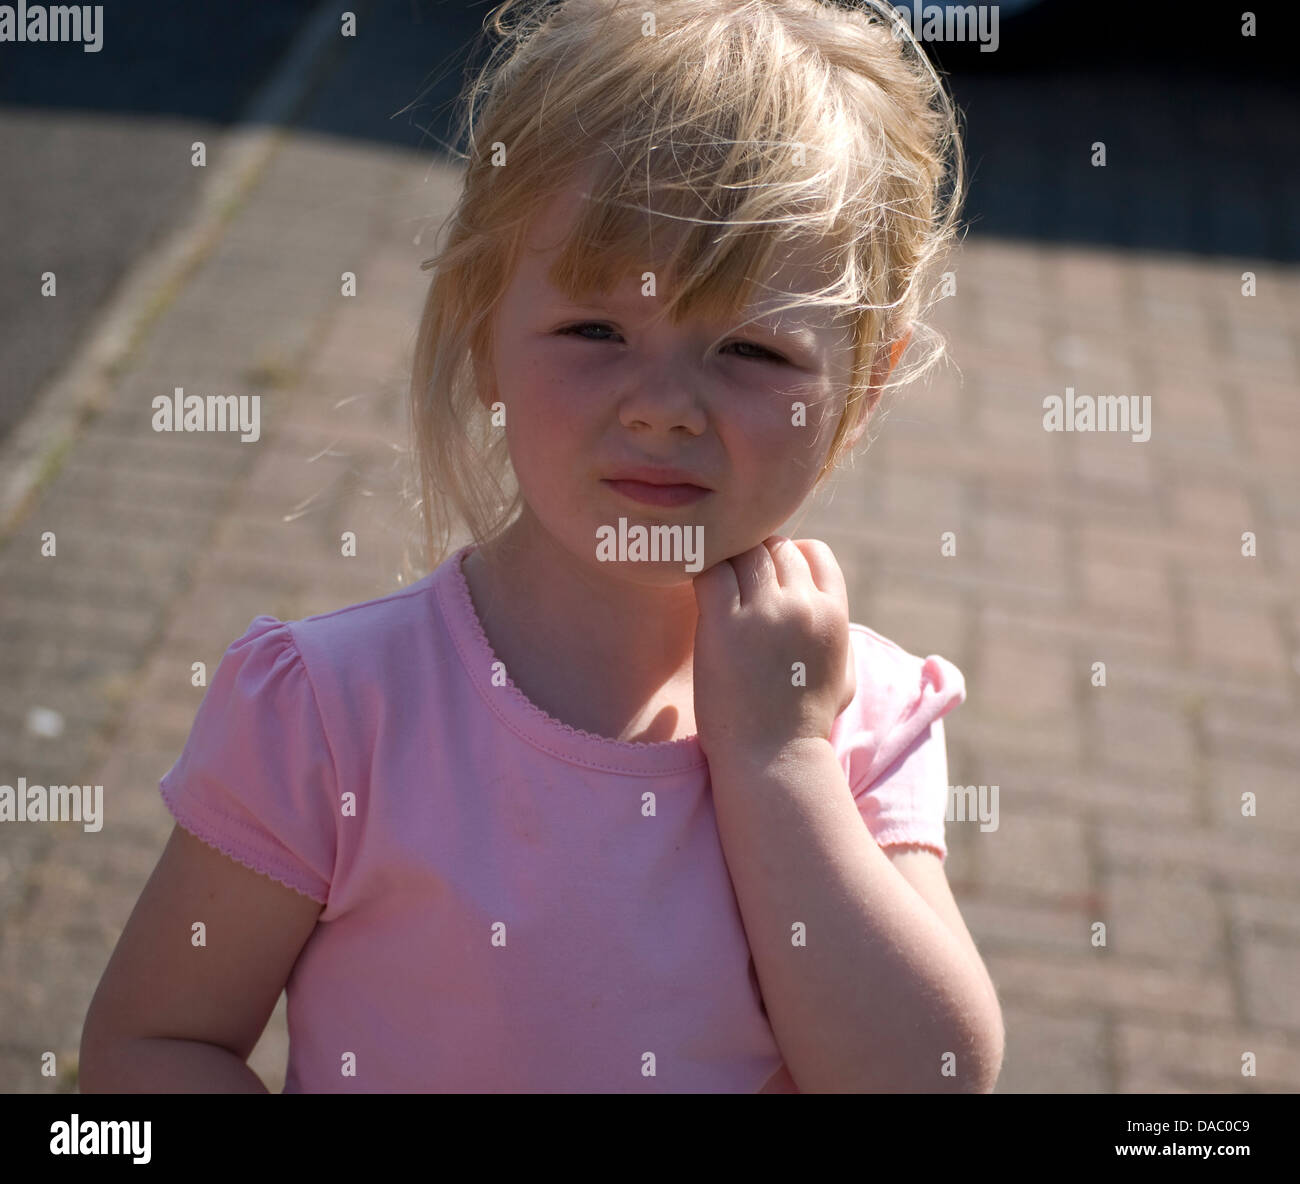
(760,613)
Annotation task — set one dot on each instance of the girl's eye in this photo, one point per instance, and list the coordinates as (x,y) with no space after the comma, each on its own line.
(763,354)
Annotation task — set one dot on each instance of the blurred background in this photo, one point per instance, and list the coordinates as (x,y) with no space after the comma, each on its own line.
(1169,272)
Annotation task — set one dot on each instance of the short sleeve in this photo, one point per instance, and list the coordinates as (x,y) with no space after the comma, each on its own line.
(256,778)
(891,745)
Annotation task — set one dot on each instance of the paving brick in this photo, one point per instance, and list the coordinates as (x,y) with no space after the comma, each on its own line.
(158,521)
(95,547)
(1111,796)
(143,492)
(1251,588)
(1150,1083)
(1225,636)
(69,575)
(1086,277)
(1270,441)
(1053,1054)
(1026,549)
(1129,589)
(1030,685)
(1031,852)
(1275,399)
(923,622)
(215,610)
(1163,919)
(1204,506)
(123,627)
(1255,861)
(52,975)
(1135,735)
(1250,730)
(1192,411)
(1099,979)
(1209,1060)
(1007,747)
(1115,540)
(87,887)
(1009,924)
(1269,973)
(1254,914)
(1277,796)
(1096,633)
(1111,467)
(1017,428)
(78,706)
(132,802)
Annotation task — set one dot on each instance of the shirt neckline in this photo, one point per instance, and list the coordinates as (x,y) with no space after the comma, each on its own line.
(524,717)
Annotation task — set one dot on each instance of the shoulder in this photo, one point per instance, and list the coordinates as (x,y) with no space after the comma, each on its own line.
(899,700)
(363,640)
(346,667)
(895,686)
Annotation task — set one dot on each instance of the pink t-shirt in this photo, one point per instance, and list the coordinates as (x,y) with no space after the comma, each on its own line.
(500,914)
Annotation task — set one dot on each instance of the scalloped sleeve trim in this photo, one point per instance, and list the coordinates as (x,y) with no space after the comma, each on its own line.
(213,828)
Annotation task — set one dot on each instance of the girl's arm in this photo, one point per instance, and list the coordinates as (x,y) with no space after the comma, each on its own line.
(867,989)
(869,986)
(170,1014)
(157,1065)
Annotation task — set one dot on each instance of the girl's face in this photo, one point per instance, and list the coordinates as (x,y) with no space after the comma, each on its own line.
(592,390)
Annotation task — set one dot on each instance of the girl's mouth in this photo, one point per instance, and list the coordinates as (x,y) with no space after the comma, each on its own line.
(658,495)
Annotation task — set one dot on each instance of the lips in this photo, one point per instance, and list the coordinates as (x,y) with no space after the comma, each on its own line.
(657,475)
(653,494)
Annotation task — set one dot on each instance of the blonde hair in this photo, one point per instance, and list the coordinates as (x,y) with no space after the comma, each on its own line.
(757,125)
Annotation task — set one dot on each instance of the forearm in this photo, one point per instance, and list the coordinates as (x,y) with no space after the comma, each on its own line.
(165,1066)
(882,990)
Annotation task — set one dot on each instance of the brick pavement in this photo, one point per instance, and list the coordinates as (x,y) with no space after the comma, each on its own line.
(1118,804)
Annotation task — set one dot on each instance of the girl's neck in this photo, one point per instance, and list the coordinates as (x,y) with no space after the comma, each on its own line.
(582,644)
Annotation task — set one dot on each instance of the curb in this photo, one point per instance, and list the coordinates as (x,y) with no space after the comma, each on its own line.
(34,450)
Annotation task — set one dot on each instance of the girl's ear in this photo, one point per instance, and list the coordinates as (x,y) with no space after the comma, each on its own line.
(878,378)
(897,351)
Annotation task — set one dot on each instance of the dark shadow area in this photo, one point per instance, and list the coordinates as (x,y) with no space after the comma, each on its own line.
(1199,122)
(1200,127)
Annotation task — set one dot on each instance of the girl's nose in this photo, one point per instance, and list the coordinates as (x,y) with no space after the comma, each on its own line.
(662,401)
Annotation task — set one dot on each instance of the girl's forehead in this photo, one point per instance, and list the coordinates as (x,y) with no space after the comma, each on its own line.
(800,271)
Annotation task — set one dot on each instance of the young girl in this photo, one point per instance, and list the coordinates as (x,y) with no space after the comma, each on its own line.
(565,815)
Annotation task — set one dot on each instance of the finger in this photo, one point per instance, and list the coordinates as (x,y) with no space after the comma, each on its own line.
(825,570)
(716,589)
(755,573)
(788,562)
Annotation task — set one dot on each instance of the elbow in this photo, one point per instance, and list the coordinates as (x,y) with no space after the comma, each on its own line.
(968,1060)
(990,1046)
(980,1042)
(990,1068)
(984,1038)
